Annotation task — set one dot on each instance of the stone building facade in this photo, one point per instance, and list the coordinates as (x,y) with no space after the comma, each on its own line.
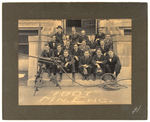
(33,34)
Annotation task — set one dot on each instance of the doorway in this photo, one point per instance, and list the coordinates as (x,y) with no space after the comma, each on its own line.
(89,25)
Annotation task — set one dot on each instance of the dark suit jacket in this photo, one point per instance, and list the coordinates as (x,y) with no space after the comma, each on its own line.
(114,63)
(102,36)
(59,38)
(81,38)
(56,54)
(74,38)
(87,61)
(52,45)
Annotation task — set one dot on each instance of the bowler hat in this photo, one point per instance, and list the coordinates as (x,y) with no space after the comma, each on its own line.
(59,27)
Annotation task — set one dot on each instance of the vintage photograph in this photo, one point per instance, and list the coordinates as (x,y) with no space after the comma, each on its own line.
(74,61)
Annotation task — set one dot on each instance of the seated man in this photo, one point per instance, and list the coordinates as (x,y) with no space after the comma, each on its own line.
(76,53)
(67,63)
(57,53)
(82,37)
(74,37)
(52,43)
(67,38)
(113,63)
(64,40)
(85,65)
(84,47)
(103,48)
(100,35)
(67,46)
(92,44)
(108,42)
(43,62)
(98,64)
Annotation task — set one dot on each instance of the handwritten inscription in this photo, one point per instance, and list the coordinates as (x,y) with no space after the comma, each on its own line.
(136,109)
(73,97)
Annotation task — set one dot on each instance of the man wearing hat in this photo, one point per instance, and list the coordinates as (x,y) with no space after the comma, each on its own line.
(59,35)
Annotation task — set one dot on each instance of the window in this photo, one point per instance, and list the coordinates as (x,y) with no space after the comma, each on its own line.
(76,23)
(127,31)
(23,47)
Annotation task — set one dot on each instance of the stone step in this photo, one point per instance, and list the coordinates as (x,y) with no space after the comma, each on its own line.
(66,82)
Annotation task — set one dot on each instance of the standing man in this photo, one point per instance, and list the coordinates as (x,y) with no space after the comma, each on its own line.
(59,35)
(108,42)
(74,37)
(85,65)
(82,37)
(100,35)
(113,64)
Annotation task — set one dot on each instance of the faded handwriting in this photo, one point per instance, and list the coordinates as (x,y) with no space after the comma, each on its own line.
(136,109)
(73,97)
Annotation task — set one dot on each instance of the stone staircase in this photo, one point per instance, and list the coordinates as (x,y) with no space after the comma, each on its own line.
(67,82)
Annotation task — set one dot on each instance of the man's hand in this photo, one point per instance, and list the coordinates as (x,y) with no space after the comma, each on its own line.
(85,65)
(66,64)
(76,58)
(99,62)
(92,50)
(96,39)
(98,66)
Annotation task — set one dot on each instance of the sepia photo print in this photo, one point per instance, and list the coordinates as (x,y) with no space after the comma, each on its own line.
(74,61)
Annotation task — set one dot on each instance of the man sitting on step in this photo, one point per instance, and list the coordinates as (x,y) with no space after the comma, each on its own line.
(98,64)
(85,65)
(57,54)
(113,64)
(67,63)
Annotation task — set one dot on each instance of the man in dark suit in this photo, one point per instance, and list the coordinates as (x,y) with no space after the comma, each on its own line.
(74,36)
(52,43)
(113,64)
(84,47)
(98,64)
(43,65)
(59,35)
(100,35)
(103,48)
(76,53)
(58,53)
(108,42)
(93,45)
(82,37)
(67,46)
(67,63)
(85,65)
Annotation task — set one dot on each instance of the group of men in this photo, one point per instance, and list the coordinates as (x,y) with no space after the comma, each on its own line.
(91,57)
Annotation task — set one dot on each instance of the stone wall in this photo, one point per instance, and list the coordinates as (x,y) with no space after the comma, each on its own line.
(36,43)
